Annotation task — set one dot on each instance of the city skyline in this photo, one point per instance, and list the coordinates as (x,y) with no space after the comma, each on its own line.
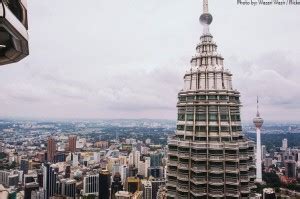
(139,55)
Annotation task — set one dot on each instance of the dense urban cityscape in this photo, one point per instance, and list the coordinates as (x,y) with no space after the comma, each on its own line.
(132,154)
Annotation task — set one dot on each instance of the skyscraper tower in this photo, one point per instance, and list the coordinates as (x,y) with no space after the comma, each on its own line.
(51,149)
(209,157)
(72,143)
(258,122)
(104,184)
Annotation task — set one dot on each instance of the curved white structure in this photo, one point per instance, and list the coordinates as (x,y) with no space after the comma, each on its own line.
(258,122)
(13,31)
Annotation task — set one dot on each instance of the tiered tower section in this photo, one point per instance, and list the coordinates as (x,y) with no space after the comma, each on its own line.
(209,157)
(258,122)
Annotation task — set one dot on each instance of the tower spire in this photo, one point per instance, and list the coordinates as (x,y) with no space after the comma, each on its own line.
(257,108)
(205,6)
(206,18)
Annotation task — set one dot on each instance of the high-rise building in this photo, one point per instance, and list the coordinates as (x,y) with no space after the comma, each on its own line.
(50,177)
(9,178)
(72,143)
(156,183)
(284,144)
(290,168)
(29,187)
(209,157)
(133,184)
(13,31)
(156,159)
(263,152)
(51,149)
(116,185)
(91,184)
(147,189)
(68,188)
(104,184)
(124,173)
(24,166)
(258,122)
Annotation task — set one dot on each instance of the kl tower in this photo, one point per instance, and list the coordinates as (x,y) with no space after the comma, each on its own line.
(258,122)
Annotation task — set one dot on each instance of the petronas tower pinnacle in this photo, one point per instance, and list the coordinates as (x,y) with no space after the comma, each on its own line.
(208,156)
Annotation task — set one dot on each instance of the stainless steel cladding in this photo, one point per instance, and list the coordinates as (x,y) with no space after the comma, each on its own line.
(13,31)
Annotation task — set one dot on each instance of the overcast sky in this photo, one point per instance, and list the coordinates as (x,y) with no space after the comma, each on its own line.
(126,58)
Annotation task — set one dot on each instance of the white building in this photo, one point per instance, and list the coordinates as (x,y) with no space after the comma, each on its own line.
(147,189)
(91,184)
(284,144)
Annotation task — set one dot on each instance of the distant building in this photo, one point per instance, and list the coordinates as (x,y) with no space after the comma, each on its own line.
(290,169)
(155,172)
(263,151)
(51,149)
(156,159)
(91,184)
(284,144)
(123,195)
(68,188)
(133,184)
(9,178)
(72,143)
(50,177)
(24,165)
(104,184)
(116,185)
(29,187)
(269,193)
(147,189)
(156,183)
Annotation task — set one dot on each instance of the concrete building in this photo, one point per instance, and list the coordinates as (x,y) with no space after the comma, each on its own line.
(104,184)
(72,143)
(91,184)
(269,193)
(147,189)
(209,157)
(133,184)
(116,185)
(51,149)
(284,144)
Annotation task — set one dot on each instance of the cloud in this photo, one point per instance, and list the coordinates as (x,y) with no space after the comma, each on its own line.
(126,59)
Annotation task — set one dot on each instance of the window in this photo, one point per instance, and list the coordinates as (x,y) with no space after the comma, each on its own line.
(201,97)
(213,108)
(223,139)
(213,117)
(182,98)
(181,117)
(180,127)
(213,129)
(189,128)
(190,98)
(212,97)
(223,97)
(190,117)
(201,128)
(201,117)
(225,128)
(224,117)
